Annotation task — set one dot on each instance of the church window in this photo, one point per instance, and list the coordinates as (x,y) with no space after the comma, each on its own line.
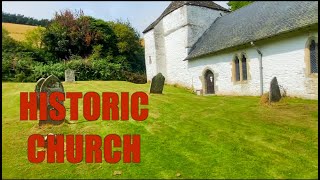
(240,68)
(150,62)
(244,67)
(237,70)
(313,56)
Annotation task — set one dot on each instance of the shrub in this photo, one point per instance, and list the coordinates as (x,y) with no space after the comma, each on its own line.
(22,65)
(135,77)
(7,69)
(82,68)
(45,70)
(105,70)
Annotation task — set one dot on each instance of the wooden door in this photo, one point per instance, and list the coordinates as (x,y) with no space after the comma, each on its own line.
(210,82)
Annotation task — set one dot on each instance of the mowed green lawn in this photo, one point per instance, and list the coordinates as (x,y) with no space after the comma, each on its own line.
(195,136)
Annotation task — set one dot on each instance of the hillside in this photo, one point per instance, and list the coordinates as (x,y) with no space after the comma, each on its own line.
(185,136)
(17,31)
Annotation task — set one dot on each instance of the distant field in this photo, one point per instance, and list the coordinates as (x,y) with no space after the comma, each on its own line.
(17,31)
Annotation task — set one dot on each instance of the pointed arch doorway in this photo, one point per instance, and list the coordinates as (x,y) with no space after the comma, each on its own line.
(209,81)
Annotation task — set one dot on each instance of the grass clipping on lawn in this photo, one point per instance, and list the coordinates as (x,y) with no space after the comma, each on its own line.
(264,100)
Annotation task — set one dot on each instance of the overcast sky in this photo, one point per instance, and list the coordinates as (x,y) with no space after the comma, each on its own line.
(139,13)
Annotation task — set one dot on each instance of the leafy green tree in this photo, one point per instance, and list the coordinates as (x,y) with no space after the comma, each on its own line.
(104,36)
(8,43)
(20,19)
(234,5)
(56,41)
(95,48)
(127,37)
(129,45)
(34,37)
(72,33)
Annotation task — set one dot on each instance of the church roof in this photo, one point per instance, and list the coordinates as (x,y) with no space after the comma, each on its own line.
(177,4)
(256,21)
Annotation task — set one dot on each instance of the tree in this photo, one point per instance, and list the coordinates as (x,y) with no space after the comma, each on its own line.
(73,33)
(8,43)
(33,38)
(56,41)
(234,5)
(20,19)
(105,36)
(128,44)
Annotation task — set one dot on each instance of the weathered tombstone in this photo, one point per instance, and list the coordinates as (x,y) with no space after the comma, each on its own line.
(157,84)
(275,94)
(50,85)
(69,75)
(37,90)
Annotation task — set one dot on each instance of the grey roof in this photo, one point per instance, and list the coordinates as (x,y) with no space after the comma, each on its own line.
(177,4)
(256,21)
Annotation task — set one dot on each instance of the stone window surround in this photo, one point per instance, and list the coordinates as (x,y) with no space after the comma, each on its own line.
(307,56)
(233,68)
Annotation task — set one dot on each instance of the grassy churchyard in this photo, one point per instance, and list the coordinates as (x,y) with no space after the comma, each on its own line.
(185,136)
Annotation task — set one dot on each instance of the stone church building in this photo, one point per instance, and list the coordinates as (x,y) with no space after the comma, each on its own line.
(205,47)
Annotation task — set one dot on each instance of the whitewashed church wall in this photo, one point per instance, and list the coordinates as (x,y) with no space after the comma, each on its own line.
(199,20)
(150,54)
(283,59)
(167,46)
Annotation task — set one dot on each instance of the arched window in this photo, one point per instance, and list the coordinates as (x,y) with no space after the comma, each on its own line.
(313,56)
(237,70)
(240,68)
(244,67)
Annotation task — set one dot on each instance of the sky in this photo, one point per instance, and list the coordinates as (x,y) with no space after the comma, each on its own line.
(139,13)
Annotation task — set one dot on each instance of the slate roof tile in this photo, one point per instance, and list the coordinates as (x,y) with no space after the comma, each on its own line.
(256,21)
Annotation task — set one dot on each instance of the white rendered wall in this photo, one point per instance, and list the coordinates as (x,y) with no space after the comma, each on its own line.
(150,53)
(155,47)
(182,28)
(283,59)
(169,41)
(199,20)
(286,60)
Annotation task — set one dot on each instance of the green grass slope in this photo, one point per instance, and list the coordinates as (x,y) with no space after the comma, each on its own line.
(195,136)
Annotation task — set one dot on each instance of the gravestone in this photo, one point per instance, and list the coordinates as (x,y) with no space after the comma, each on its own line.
(157,84)
(69,75)
(37,90)
(275,94)
(50,85)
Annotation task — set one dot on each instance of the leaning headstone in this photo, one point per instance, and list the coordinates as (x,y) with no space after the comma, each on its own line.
(157,84)
(50,85)
(275,94)
(37,90)
(69,75)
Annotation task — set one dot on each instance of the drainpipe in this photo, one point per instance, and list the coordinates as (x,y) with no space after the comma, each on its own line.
(260,67)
